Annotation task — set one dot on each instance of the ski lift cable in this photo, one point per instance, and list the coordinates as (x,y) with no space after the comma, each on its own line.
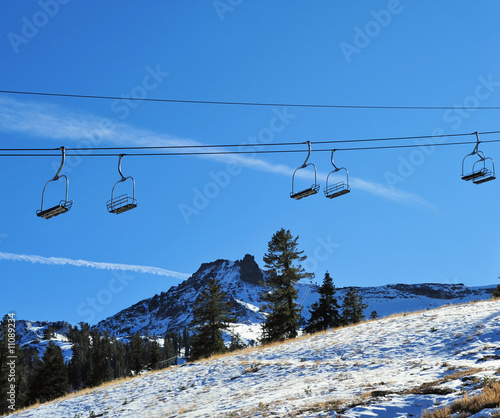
(261,104)
(130,148)
(3,153)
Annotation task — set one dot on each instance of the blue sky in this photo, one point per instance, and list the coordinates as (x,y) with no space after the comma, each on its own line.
(409,217)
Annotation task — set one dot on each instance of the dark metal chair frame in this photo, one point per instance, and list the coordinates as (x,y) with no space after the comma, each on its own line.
(480,173)
(310,190)
(64,205)
(124,202)
(337,189)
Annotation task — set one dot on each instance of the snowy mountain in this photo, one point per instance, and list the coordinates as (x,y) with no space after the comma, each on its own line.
(172,310)
(392,367)
(34,334)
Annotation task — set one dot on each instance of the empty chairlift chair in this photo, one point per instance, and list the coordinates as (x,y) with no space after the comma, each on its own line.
(124,202)
(337,189)
(482,167)
(310,190)
(64,205)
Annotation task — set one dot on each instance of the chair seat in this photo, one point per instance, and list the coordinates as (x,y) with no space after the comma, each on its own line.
(484,179)
(337,189)
(121,204)
(306,192)
(474,175)
(63,207)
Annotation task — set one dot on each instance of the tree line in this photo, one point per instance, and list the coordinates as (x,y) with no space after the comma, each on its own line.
(96,358)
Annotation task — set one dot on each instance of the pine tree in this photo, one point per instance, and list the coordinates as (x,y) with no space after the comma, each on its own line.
(170,348)
(156,355)
(211,315)
(79,366)
(51,376)
(324,312)
(496,292)
(28,356)
(353,307)
(136,353)
(282,262)
(374,315)
(236,342)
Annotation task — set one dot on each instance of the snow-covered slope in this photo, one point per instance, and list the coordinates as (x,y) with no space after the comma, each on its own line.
(393,367)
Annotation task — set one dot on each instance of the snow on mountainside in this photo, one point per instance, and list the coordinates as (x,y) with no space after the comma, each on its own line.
(172,310)
(392,367)
(33,334)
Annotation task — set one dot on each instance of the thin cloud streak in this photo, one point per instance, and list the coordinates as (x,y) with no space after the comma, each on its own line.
(52,121)
(59,261)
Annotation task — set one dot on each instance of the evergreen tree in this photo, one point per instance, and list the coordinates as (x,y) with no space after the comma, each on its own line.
(236,342)
(156,356)
(27,358)
(119,363)
(324,312)
(80,363)
(100,369)
(496,292)
(51,376)
(170,348)
(374,315)
(136,353)
(211,316)
(282,262)
(353,307)
(185,342)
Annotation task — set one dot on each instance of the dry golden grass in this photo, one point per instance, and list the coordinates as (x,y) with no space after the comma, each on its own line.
(85,391)
(489,398)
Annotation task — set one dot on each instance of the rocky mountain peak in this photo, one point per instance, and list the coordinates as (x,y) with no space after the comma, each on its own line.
(250,271)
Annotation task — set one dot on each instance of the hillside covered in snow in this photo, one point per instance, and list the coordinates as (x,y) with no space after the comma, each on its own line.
(392,367)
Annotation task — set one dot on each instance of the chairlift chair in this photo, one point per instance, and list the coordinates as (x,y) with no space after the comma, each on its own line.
(310,190)
(337,189)
(64,205)
(483,169)
(124,202)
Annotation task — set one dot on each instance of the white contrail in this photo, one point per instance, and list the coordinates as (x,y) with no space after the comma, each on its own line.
(96,265)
